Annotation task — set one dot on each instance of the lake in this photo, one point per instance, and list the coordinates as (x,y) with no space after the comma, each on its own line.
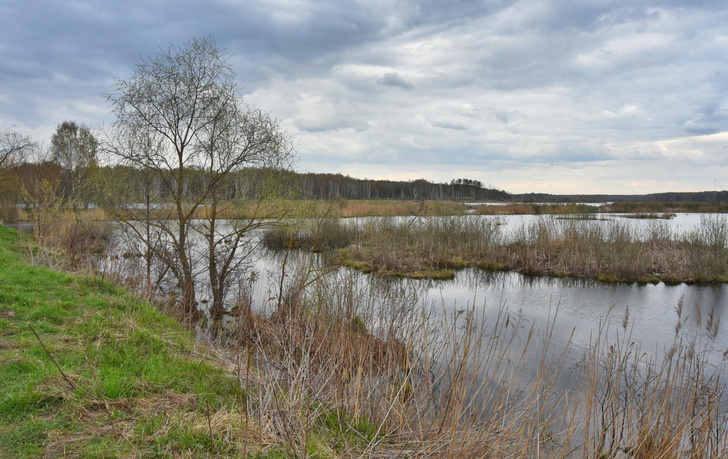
(581,306)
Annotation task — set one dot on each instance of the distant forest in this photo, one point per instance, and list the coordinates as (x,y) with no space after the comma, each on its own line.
(253,183)
(699,196)
(332,186)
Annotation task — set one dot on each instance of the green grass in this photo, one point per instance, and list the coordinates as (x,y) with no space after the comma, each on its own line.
(109,375)
(116,350)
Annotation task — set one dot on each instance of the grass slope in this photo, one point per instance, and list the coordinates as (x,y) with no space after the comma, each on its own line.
(134,382)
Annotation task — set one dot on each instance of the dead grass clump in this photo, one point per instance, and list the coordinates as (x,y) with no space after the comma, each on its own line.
(316,236)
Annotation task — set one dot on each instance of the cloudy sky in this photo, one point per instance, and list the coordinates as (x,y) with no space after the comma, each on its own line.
(559,96)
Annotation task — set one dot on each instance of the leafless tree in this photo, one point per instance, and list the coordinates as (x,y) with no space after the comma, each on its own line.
(13,148)
(179,112)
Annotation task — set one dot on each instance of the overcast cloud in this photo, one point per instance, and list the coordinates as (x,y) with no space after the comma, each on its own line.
(531,95)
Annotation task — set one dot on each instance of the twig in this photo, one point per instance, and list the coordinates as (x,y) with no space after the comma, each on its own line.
(68,380)
(209,427)
(76,386)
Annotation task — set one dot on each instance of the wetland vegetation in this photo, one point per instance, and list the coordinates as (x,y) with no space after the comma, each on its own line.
(91,369)
(610,251)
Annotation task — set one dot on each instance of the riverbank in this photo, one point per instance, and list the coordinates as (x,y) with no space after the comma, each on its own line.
(89,370)
(329,373)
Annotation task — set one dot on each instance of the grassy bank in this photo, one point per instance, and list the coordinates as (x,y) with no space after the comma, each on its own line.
(88,370)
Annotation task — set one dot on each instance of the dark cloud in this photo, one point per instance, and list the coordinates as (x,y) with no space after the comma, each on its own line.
(395,79)
(504,85)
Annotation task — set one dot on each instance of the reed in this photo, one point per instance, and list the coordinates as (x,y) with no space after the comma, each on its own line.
(611,251)
(536,209)
(384,374)
(328,367)
(665,207)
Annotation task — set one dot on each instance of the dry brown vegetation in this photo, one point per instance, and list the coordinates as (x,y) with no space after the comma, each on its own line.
(666,207)
(416,382)
(334,371)
(535,209)
(609,251)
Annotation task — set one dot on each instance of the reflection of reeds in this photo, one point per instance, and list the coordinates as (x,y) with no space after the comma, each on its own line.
(387,376)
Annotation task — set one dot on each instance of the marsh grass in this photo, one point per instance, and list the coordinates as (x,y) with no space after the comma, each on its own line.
(536,209)
(336,208)
(392,208)
(392,376)
(655,208)
(317,235)
(609,251)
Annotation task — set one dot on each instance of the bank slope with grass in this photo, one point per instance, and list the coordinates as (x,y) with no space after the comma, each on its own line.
(107,375)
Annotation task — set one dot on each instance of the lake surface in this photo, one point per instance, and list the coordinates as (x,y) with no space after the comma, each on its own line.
(581,307)
(567,317)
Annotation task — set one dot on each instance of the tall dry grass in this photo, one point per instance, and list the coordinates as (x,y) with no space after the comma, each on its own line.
(330,367)
(66,235)
(335,370)
(606,250)
(522,208)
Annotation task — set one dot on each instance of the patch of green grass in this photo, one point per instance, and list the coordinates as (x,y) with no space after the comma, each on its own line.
(120,360)
(26,438)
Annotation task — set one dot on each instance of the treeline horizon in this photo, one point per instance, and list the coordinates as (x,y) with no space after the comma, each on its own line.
(676,196)
(254,183)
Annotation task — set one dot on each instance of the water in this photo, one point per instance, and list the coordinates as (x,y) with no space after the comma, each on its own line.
(572,311)
(22,228)
(581,306)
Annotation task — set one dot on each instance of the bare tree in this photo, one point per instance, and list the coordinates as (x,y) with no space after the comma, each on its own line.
(13,148)
(178,114)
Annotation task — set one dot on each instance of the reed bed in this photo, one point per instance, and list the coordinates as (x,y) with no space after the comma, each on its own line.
(610,251)
(536,209)
(309,208)
(665,207)
(369,208)
(327,366)
(335,370)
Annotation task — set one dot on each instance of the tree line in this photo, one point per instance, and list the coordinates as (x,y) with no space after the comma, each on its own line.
(72,165)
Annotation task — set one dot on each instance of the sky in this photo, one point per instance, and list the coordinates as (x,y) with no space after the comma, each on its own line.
(546,96)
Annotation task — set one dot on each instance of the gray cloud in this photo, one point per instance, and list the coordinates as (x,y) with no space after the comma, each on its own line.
(395,79)
(491,88)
